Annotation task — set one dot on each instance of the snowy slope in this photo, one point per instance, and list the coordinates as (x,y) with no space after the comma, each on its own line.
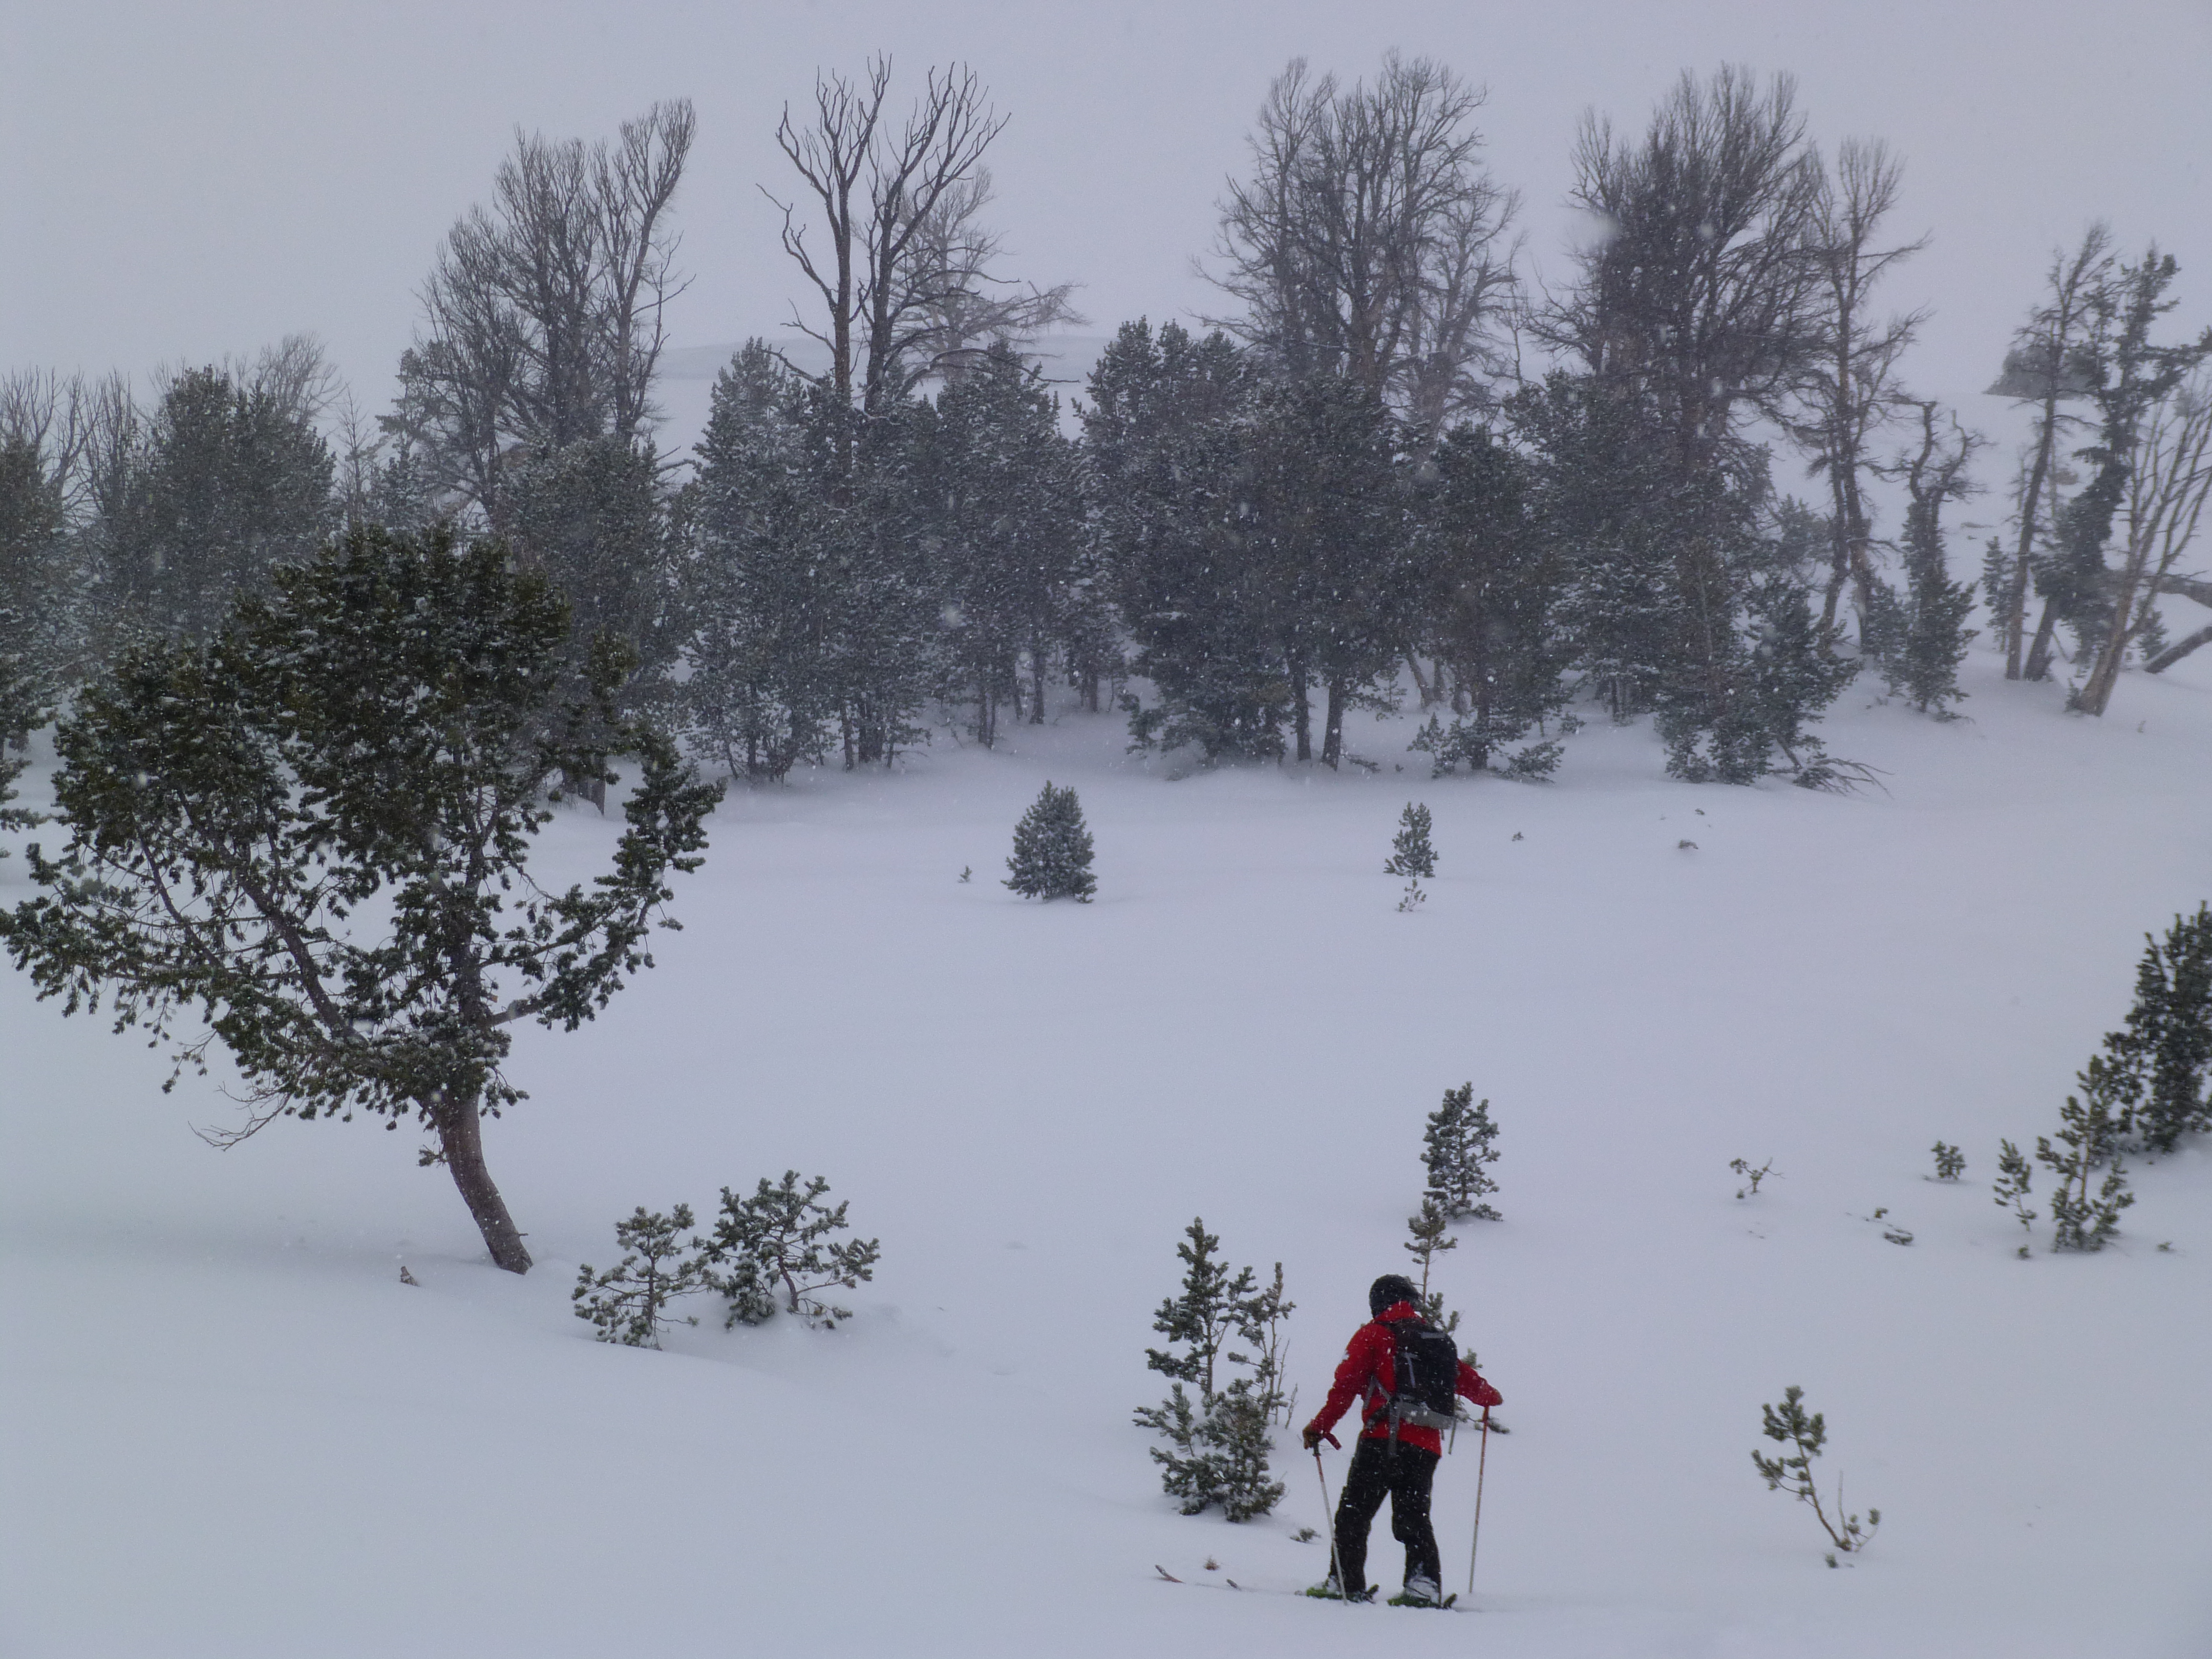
(229,1431)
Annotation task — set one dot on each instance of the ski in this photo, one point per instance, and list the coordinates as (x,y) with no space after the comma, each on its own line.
(1449,1604)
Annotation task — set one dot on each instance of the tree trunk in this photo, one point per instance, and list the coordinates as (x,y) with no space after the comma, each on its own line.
(2174,652)
(2038,654)
(1420,685)
(1036,685)
(1301,714)
(2015,619)
(460,1135)
(1332,736)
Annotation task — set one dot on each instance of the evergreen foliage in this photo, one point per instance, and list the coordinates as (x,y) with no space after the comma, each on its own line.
(590,515)
(1411,854)
(1052,850)
(1429,1242)
(628,1303)
(386,725)
(1001,507)
(2016,1175)
(1491,584)
(2091,1124)
(1802,1437)
(1921,641)
(812,619)
(1457,1148)
(227,483)
(1219,1444)
(775,1244)
(2165,1050)
(42,596)
(1950,1162)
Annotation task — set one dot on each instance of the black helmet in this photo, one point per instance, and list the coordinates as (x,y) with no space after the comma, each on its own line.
(1388,1290)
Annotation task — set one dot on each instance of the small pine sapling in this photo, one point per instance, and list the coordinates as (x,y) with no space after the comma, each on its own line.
(1052,850)
(1742,1167)
(2014,1176)
(775,1243)
(2090,1130)
(1950,1162)
(1411,853)
(1457,1147)
(628,1303)
(1218,1445)
(1802,1436)
(1428,1243)
(1413,898)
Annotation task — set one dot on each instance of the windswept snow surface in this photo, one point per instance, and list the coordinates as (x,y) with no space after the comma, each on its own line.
(230,1431)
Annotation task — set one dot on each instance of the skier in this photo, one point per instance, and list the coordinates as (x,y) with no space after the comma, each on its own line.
(1394,1455)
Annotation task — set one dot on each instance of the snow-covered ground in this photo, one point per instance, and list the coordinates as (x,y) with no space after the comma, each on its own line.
(229,1431)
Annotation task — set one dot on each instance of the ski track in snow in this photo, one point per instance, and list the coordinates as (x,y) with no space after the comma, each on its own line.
(230,1431)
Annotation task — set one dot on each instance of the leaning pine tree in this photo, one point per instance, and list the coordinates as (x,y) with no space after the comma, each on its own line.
(1052,850)
(312,832)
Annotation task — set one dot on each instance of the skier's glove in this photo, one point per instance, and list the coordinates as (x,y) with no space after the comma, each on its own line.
(1313,1436)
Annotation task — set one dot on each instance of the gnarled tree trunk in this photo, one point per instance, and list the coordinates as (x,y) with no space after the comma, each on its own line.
(460,1136)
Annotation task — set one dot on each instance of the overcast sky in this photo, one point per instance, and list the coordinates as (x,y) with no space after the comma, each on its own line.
(182,181)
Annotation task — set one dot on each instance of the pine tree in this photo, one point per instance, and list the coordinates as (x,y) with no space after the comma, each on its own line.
(1925,641)
(1428,1243)
(2165,1048)
(2014,1177)
(1457,1148)
(1052,850)
(2091,1124)
(1950,1162)
(628,1304)
(229,485)
(1804,1436)
(395,721)
(1411,854)
(1217,1446)
(1000,503)
(774,1244)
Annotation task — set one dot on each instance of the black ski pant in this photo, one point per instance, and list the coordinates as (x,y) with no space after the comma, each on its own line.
(1404,1474)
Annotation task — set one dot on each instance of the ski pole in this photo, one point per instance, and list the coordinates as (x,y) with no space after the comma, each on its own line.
(1328,1514)
(1481,1466)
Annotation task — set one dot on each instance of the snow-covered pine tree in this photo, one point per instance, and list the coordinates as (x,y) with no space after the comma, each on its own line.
(1457,1149)
(1218,1445)
(1052,850)
(775,1244)
(1411,854)
(628,1303)
(2090,1126)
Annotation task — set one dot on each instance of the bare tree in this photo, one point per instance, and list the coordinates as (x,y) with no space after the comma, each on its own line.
(2045,368)
(1849,389)
(1370,241)
(903,268)
(543,316)
(971,310)
(1702,292)
(2167,490)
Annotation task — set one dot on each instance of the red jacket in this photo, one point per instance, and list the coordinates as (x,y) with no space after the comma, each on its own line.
(1370,1368)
